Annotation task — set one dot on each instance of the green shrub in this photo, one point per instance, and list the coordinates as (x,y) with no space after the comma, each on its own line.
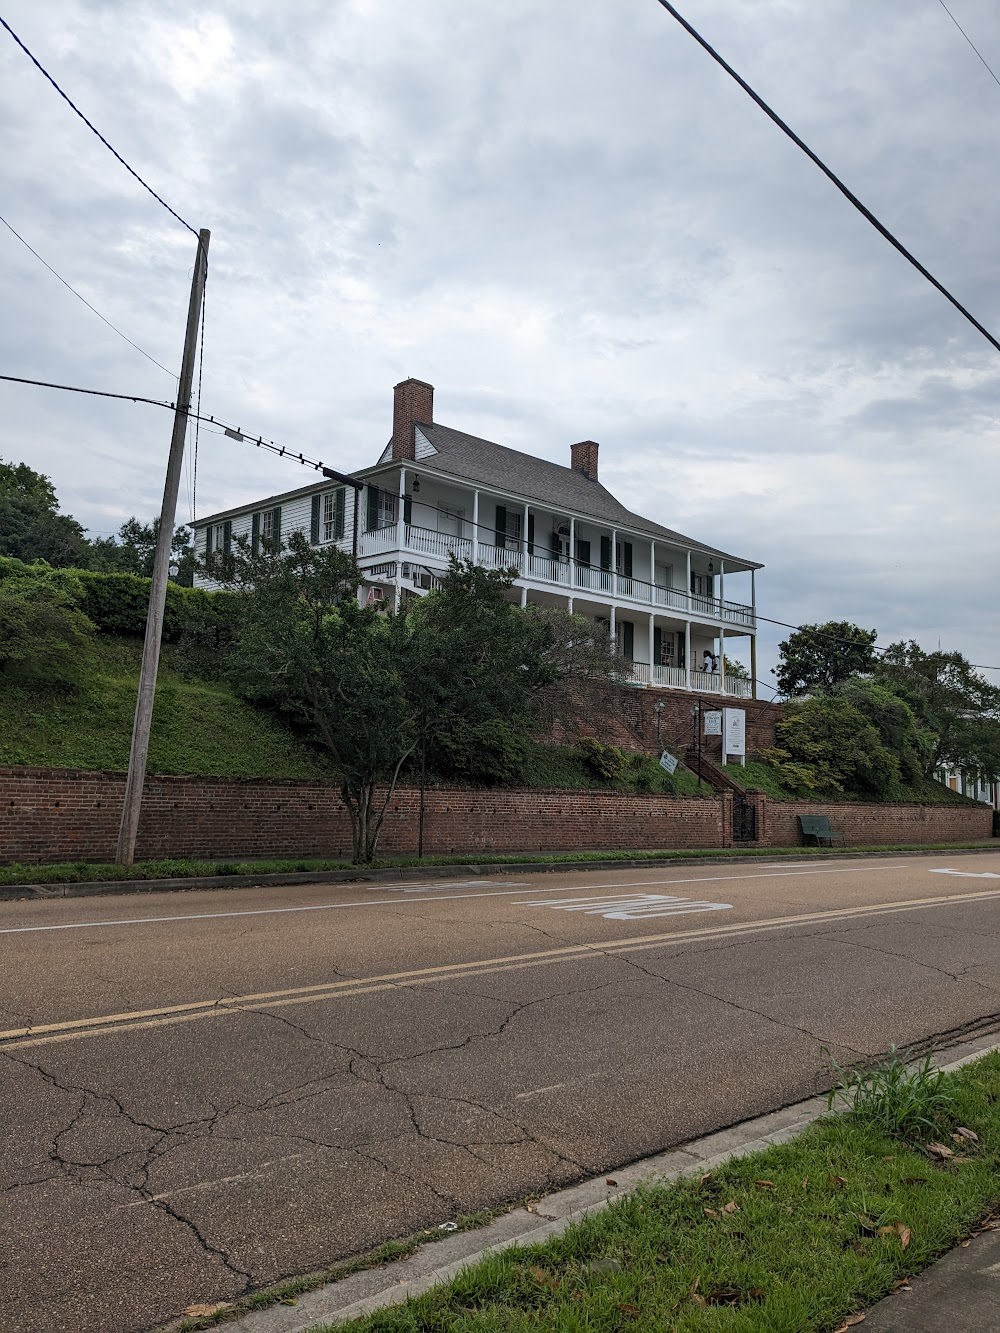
(828,745)
(43,637)
(605,762)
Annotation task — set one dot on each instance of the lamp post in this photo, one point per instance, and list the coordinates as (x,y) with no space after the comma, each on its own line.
(658,706)
(696,716)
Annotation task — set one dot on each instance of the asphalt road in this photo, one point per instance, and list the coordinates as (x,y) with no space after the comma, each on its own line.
(203,1092)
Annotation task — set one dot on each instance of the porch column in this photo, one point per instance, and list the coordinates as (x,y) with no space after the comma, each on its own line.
(614,627)
(572,552)
(687,638)
(753,633)
(687,585)
(652,563)
(397,595)
(524,598)
(569,605)
(475,527)
(524,541)
(722,659)
(753,666)
(614,572)
(651,641)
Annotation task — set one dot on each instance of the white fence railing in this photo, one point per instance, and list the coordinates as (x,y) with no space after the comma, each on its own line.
(545,568)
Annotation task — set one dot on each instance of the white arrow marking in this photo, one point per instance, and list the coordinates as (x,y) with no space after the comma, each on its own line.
(968,874)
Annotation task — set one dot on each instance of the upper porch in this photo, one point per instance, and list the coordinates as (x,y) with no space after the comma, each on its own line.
(425,518)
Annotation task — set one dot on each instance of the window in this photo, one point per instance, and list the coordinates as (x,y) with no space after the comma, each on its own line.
(508,528)
(333,515)
(381,511)
(267,525)
(219,538)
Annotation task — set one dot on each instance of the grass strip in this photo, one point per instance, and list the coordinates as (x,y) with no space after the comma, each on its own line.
(788,1240)
(287,1292)
(83,872)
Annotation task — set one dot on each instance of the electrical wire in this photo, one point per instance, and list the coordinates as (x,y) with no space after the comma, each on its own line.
(71,288)
(970,41)
(844,190)
(95,393)
(132,172)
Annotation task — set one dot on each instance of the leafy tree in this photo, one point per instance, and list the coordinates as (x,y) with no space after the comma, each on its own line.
(44,638)
(134,549)
(828,745)
(306,648)
(736,670)
(894,720)
(957,706)
(31,527)
(817,657)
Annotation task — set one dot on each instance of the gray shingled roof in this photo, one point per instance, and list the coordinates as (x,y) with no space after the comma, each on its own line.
(555,486)
(514,473)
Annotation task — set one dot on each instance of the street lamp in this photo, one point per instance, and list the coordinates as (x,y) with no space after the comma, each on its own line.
(658,706)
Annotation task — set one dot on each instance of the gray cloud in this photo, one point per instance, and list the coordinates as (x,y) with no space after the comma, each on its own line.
(567,219)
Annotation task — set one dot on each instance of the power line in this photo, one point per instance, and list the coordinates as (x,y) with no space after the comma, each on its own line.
(847,193)
(71,288)
(132,172)
(96,393)
(969,40)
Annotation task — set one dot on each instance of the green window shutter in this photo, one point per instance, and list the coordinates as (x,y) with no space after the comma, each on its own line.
(627,559)
(255,534)
(531,534)
(501,526)
(277,525)
(606,553)
(317,502)
(628,640)
(407,510)
(657,647)
(554,545)
(582,552)
(338,512)
(227,536)
(371,515)
(208,540)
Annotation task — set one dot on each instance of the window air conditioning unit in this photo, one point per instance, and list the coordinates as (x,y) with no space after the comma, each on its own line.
(406,569)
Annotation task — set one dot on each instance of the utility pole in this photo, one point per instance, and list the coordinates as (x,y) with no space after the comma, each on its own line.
(129,826)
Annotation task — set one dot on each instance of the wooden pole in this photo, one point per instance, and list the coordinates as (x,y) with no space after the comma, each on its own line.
(161,567)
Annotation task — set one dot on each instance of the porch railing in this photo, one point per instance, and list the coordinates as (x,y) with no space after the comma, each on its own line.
(569,574)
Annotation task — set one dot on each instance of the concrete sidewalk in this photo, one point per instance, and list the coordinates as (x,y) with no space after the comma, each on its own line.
(959,1294)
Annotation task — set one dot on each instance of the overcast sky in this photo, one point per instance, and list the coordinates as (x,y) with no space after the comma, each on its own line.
(569,220)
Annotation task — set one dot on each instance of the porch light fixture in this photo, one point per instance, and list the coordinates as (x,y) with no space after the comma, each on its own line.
(416,485)
(711,567)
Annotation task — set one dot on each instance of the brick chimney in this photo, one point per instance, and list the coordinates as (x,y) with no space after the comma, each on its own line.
(413,401)
(584,458)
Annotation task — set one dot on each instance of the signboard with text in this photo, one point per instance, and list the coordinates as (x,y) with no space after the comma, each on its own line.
(668,761)
(713,724)
(734,732)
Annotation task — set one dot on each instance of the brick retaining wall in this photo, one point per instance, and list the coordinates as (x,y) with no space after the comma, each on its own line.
(63,815)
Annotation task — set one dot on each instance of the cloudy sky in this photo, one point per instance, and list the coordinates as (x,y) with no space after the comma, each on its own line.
(565,217)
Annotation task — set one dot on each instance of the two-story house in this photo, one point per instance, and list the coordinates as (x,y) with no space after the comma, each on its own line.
(436,491)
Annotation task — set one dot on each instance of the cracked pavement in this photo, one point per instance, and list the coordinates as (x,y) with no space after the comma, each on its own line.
(196,1106)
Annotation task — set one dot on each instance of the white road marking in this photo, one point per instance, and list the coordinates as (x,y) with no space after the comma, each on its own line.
(438,898)
(629,906)
(967,874)
(208,1184)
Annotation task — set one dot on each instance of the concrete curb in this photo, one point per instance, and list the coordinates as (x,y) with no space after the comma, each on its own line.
(98,888)
(392,1284)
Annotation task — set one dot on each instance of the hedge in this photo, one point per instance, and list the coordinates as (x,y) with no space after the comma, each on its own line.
(118,603)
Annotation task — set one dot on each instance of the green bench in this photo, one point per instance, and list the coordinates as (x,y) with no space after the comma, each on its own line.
(816,831)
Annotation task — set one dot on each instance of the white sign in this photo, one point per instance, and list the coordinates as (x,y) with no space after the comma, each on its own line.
(668,761)
(713,724)
(735,732)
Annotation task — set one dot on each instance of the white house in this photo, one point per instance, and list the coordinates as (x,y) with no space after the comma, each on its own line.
(436,491)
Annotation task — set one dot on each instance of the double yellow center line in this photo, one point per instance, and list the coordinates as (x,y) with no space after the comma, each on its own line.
(138,1019)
